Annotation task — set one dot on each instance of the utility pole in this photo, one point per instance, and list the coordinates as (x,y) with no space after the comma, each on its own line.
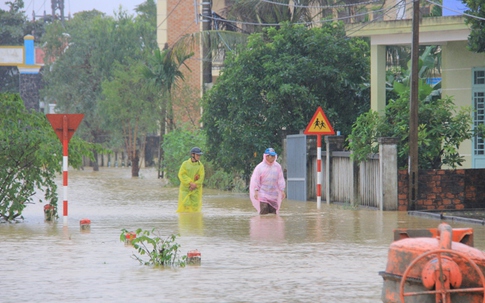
(413,111)
(55,5)
(206,45)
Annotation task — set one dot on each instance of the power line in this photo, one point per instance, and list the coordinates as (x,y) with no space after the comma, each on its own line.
(385,12)
(434,3)
(173,9)
(29,5)
(304,23)
(456,11)
(323,7)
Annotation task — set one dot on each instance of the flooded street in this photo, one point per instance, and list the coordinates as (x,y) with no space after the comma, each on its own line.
(331,254)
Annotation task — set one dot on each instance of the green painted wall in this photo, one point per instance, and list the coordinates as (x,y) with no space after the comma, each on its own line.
(457,81)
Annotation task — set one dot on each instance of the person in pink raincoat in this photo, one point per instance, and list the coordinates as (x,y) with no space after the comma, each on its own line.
(267,186)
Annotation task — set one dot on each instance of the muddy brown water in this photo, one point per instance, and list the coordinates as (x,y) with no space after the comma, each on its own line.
(306,254)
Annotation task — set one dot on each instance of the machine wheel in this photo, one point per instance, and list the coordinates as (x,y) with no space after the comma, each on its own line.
(443,292)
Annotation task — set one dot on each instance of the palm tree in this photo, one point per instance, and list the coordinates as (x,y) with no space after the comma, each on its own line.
(163,70)
(253,15)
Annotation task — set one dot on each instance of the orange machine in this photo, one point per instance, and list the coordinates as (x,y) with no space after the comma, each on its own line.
(434,265)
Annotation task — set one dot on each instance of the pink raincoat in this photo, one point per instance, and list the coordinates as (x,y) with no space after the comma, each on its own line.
(270,182)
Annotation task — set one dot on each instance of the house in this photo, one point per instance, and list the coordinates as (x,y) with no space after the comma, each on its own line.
(176,18)
(462,71)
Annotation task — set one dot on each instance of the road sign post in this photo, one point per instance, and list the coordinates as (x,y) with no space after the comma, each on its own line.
(65,125)
(319,125)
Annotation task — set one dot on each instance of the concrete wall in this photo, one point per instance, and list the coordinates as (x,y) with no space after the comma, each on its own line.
(30,85)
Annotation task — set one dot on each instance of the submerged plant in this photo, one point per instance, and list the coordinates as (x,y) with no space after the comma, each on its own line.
(153,249)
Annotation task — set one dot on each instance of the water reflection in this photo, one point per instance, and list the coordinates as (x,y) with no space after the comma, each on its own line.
(305,254)
(267,228)
(191,224)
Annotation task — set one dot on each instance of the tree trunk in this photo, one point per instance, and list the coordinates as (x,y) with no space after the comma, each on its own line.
(95,163)
(163,115)
(135,165)
(171,126)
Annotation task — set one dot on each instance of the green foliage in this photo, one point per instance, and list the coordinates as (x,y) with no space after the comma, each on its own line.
(476,22)
(148,12)
(14,26)
(363,139)
(176,147)
(442,128)
(255,14)
(429,64)
(129,108)
(30,157)
(81,56)
(273,87)
(154,250)
(163,72)
(222,180)
(78,149)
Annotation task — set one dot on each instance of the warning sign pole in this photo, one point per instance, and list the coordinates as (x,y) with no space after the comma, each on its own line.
(319,170)
(319,125)
(65,143)
(65,125)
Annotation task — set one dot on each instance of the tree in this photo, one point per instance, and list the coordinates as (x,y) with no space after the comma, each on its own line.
(476,40)
(254,15)
(129,107)
(163,70)
(30,157)
(82,56)
(441,131)
(177,146)
(14,26)
(273,87)
(148,11)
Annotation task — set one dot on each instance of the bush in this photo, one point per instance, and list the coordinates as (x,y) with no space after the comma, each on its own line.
(154,250)
(442,128)
(30,157)
(176,148)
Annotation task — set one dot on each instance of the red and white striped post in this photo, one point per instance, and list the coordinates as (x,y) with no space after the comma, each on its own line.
(65,125)
(319,170)
(65,165)
(319,126)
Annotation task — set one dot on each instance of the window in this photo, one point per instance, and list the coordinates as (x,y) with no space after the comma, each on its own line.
(479,107)
(479,77)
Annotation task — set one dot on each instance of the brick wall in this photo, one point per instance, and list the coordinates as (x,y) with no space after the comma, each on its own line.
(180,22)
(445,189)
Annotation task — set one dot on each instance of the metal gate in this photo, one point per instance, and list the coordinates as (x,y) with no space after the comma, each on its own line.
(296,167)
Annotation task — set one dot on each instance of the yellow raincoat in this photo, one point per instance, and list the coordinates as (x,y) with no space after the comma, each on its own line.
(190,200)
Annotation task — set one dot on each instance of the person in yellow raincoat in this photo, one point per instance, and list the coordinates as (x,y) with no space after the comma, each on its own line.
(191,176)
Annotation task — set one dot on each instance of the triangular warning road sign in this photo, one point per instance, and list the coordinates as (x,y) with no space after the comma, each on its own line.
(319,125)
(72,122)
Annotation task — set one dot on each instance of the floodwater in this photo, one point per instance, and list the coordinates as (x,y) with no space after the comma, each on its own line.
(306,254)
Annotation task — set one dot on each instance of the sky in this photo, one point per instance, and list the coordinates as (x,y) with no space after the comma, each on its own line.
(74,6)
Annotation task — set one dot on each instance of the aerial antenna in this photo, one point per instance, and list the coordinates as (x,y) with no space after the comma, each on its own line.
(58,6)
